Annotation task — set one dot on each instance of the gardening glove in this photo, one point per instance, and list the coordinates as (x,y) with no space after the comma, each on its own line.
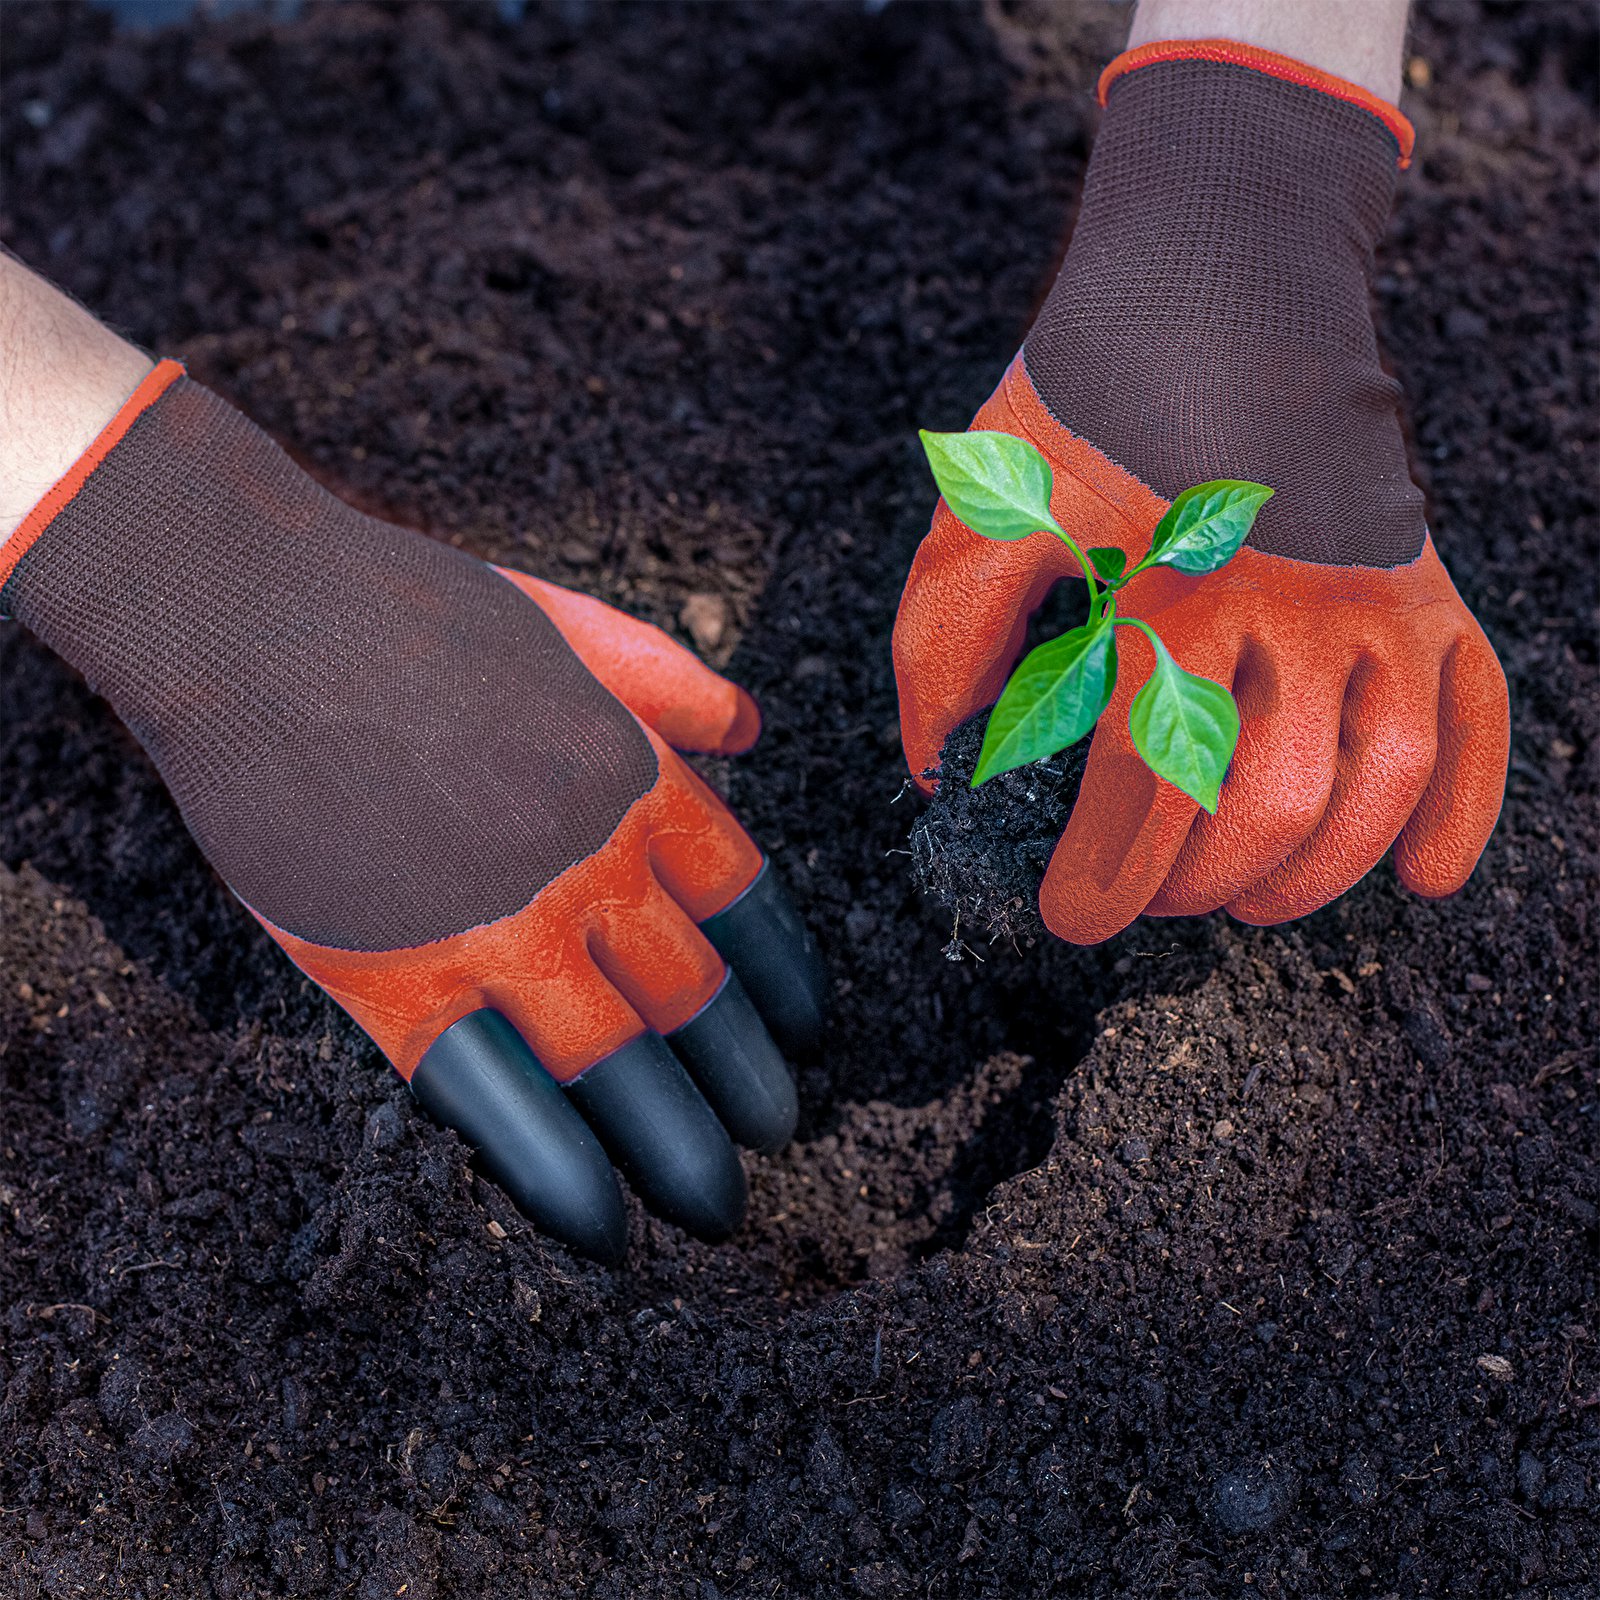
(1212,320)
(449,793)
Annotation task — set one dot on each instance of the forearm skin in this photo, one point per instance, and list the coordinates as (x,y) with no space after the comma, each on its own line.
(63,376)
(1362,40)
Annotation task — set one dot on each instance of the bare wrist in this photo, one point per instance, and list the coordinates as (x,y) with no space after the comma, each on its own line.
(1359,40)
(65,377)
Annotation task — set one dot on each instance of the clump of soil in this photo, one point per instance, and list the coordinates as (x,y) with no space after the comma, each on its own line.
(1214,1261)
(983,852)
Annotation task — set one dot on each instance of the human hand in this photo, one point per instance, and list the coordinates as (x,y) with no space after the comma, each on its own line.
(1211,320)
(450,794)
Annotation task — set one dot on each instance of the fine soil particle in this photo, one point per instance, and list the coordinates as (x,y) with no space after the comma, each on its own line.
(1215,1261)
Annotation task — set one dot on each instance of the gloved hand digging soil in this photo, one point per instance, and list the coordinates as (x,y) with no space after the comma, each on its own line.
(451,794)
(1212,320)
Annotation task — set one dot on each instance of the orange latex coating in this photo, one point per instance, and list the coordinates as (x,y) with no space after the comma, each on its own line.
(663,684)
(611,947)
(606,951)
(1372,706)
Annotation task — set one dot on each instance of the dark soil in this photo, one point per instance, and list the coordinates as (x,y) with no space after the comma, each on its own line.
(981,853)
(1214,1261)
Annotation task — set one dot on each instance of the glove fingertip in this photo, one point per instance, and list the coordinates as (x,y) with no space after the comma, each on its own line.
(923,731)
(1258,914)
(1064,926)
(1432,869)
(1069,922)
(714,718)
(1439,848)
(745,727)
(1071,907)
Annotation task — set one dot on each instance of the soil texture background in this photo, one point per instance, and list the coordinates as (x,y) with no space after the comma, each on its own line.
(1216,1261)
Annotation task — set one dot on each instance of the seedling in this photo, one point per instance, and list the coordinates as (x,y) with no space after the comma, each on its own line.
(1184,727)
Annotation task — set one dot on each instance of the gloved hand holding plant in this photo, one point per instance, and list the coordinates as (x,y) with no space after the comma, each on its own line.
(1212,321)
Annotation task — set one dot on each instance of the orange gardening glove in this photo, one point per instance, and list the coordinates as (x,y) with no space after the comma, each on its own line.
(1212,320)
(450,794)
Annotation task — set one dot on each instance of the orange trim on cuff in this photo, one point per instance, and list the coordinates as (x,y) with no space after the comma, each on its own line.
(152,386)
(1271,63)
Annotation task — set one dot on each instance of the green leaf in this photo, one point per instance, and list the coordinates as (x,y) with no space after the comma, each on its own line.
(1205,525)
(1108,562)
(1185,728)
(1053,699)
(996,483)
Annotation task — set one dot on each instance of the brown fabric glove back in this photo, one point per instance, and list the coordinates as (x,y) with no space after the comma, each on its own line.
(322,691)
(1212,318)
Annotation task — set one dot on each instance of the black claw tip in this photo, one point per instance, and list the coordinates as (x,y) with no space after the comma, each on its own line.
(480,1078)
(762,937)
(739,1069)
(664,1136)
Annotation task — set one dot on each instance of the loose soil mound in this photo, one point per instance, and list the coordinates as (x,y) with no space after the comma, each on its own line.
(1216,1261)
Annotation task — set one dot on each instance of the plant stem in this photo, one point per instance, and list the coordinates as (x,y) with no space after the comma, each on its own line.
(1144,566)
(1088,569)
(1145,629)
